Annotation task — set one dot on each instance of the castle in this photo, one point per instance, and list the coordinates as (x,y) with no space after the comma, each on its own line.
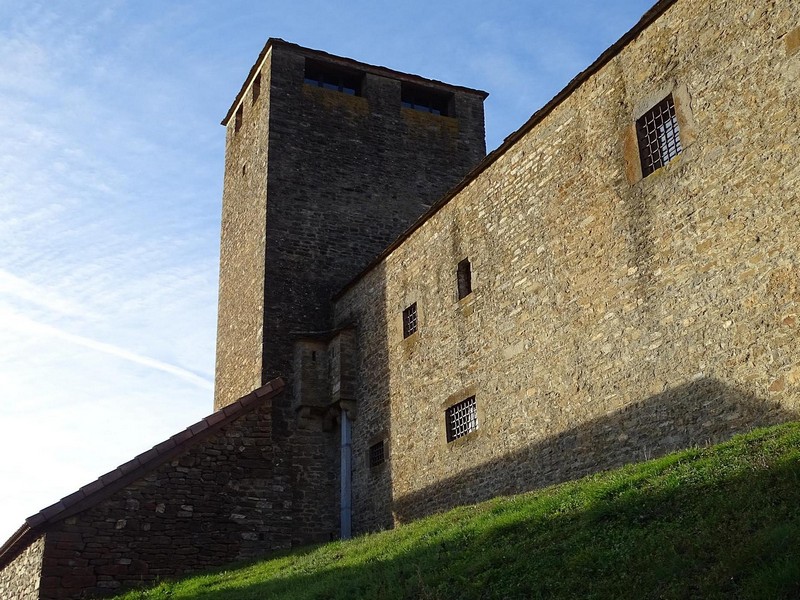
(406,325)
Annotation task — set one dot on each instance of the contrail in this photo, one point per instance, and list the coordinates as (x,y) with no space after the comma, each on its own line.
(10,319)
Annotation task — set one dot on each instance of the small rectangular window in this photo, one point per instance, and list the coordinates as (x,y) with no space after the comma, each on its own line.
(256,87)
(377,454)
(461,419)
(659,136)
(425,100)
(237,124)
(464,276)
(330,77)
(410,320)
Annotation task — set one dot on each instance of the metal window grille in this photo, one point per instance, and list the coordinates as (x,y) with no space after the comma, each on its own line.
(461,419)
(376,454)
(464,272)
(410,320)
(659,136)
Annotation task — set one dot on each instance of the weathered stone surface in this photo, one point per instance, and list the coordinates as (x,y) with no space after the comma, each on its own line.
(613,318)
(20,579)
(317,183)
(215,503)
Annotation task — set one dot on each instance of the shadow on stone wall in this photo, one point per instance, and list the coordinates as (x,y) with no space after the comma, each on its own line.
(687,541)
(372,485)
(699,413)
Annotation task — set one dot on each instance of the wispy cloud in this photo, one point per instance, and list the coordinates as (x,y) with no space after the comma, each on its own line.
(110,183)
(20,289)
(15,321)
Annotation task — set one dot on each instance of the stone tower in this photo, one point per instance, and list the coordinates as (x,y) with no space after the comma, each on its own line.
(328,160)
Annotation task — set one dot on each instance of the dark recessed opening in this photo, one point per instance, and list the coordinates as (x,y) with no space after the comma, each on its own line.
(237,123)
(331,77)
(256,87)
(426,100)
(377,454)
(464,277)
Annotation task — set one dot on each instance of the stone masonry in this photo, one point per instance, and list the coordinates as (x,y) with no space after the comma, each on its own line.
(613,318)
(205,497)
(20,579)
(317,183)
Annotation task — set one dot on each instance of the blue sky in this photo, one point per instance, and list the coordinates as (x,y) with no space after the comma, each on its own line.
(111,158)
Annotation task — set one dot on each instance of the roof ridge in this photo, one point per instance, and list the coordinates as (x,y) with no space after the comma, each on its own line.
(108,483)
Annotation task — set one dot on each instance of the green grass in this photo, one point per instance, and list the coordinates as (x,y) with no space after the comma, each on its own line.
(720,522)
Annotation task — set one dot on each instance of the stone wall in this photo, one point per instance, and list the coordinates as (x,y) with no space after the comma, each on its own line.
(613,317)
(217,502)
(243,242)
(347,174)
(20,578)
(317,183)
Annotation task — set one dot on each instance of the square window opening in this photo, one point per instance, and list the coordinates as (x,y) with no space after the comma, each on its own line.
(659,136)
(461,419)
(464,278)
(410,320)
(377,454)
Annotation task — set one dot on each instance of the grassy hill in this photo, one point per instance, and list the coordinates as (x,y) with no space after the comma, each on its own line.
(720,522)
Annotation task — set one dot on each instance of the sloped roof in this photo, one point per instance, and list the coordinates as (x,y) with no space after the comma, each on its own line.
(113,481)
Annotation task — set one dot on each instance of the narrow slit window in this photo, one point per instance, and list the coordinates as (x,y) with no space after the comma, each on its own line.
(237,124)
(461,419)
(256,87)
(410,320)
(464,277)
(377,454)
(659,136)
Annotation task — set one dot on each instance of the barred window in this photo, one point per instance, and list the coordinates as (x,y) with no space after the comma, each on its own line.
(659,136)
(377,454)
(410,320)
(461,419)
(464,276)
